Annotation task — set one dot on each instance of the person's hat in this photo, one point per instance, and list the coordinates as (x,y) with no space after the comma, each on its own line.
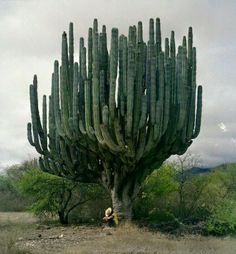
(108,211)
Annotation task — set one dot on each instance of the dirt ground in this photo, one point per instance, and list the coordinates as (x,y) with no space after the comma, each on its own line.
(21,233)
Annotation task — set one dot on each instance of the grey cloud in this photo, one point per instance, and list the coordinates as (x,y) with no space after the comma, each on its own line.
(30,41)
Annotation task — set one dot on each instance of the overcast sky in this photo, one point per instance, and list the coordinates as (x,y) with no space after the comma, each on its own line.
(30,34)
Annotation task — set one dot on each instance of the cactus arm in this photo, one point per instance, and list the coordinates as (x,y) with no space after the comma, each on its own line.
(141,144)
(118,134)
(56,104)
(199,113)
(121,97)
(82,78)
(75,100)
(34,118)
(95,88)
(124,65)
(161,89)
(103,62)
(153,92)
(88,110)
(167,100)
(130,90)
(139,80)
(113,72)
(44,118)
(29,134)
(71,57)
(143,117)
(158,36)
(109,140)
(90,54)
(192,81)
(167,50)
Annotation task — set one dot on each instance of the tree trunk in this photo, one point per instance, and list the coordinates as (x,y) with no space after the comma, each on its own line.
(122,205)
(123,192)
(63,218)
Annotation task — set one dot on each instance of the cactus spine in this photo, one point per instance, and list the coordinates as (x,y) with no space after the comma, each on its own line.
(114,117)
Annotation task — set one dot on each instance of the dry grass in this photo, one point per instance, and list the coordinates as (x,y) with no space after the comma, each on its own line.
(129,239)
(8,244)
(12,226)
(16,217)
(20,235)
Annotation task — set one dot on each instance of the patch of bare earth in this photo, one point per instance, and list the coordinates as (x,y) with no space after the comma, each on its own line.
(129,239)
(21,234)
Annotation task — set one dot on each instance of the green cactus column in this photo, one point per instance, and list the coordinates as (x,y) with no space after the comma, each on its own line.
(118,114)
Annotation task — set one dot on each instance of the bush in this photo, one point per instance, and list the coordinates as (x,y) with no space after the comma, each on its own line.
(155,200)
(54,195)
(208,199)
(10,198)
(223,220)
(221,201)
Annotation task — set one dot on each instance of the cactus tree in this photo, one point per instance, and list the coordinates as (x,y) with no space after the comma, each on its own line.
(117,115)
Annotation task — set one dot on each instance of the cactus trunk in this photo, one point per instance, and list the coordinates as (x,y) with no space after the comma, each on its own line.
(122,204)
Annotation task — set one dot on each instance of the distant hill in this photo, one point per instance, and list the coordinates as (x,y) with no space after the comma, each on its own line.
(199,170)
(224,166)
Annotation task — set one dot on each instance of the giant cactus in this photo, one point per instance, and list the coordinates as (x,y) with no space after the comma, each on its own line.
(115,116)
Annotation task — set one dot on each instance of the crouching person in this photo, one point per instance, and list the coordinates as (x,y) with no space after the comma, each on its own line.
(111,217)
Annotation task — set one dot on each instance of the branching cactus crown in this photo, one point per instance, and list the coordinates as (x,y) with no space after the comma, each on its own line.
(118,114)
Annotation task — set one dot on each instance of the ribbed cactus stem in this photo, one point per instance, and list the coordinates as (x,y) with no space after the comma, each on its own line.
(121,97)
(172,45)
(125,65)
(132,35)
(55,95)
(64,84)
(95,26)
(35,116)
(88,109)
(44,110)
(71,56)
(90,54)
(139,74)
(95,89)
(199,113)
(184,43)
(158,36)
(113,71)
(167,49)
(167,95)
(29,134)
(75,99)
(130,89)
(140,32)
(190,45)
(153,91)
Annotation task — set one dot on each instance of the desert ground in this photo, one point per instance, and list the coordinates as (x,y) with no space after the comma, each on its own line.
(21,233)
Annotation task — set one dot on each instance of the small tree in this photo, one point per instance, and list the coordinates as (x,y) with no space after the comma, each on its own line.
(173,191)
(10,198)
(183,167)
(54,195)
